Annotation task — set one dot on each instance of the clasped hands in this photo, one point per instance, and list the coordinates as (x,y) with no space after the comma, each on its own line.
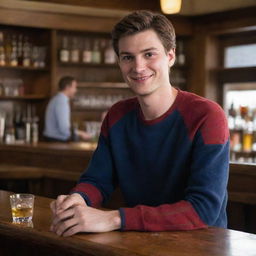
(72,215)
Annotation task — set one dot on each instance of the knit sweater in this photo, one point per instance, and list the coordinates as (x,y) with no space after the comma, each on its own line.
(172,170)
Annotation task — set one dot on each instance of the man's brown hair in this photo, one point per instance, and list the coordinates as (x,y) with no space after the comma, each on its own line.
(139,21)
(65,82)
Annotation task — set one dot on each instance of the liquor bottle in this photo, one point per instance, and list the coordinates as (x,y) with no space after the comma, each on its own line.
(28,120)
(2,125)
(34,130)
(1,88)
(109,54)
(14,52)
(9,129)
(19,125)
(20,50)
(26,62)
(8,49)
(236,133)
(248,135)
(75,51)
(254,132)
(35,57)
(181,58)
(2,50)
(96,56)
(87,53)
(64,51)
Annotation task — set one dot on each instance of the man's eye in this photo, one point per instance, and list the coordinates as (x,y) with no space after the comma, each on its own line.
(126,58)
(149,54)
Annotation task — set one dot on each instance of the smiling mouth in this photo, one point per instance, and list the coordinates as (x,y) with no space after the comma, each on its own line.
(141,78)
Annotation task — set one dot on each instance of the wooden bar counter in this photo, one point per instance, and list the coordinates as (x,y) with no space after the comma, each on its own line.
(72,156)
(38,240)
(46,169)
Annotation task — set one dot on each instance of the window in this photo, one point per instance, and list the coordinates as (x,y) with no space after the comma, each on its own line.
(240,56)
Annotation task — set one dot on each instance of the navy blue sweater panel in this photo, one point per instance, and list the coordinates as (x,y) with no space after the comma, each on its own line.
(160,163)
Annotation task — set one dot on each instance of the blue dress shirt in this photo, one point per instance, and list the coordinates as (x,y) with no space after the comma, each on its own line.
(57,118)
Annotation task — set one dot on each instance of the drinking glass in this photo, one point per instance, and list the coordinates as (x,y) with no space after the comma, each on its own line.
(22,206)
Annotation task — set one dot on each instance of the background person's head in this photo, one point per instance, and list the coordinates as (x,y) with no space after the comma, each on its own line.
(139,21)
(68,86)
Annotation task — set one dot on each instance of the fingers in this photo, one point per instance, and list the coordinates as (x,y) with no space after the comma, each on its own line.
(69,201)
(71,231)
(53,206)
(62,216)
(66,225)
(59,202)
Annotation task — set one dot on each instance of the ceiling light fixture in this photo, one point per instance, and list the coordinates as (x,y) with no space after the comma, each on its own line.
(170,6)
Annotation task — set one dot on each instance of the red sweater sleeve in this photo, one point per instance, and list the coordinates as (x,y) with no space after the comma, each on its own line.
(90,193)
(165,217)
(177,216)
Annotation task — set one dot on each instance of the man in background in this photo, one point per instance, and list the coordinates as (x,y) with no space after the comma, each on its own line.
(57,116)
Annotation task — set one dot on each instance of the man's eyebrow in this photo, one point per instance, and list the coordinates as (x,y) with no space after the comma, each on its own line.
(149,49)
(125,53)
(144,50)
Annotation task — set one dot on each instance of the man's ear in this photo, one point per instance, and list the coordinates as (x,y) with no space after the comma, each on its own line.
(171,56)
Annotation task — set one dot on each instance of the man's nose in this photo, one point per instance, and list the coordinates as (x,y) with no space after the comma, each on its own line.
(139,65)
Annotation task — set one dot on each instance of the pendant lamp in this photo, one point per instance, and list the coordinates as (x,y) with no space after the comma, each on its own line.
(170,6)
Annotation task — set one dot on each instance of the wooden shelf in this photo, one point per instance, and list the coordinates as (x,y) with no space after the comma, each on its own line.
(107,85)
(25,97)
(24,68)
(237,69)
(89,65)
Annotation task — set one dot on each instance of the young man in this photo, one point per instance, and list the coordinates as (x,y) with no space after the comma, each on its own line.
(57,117)
(168,150)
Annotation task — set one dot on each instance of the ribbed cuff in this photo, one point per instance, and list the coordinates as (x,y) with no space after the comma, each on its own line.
(90,193)
(131,219)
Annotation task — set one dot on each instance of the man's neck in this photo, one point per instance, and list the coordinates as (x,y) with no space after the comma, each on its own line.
(156,104)
(65,93)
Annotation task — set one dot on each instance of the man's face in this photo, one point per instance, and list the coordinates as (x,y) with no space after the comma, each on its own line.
(72,89)
(144,62)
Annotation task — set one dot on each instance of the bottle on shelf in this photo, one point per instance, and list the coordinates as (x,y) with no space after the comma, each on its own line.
(27,50)
(96,55)
(87,52)
(75,53)
(236,130)
(14,52)
(42,56)
(20,50)
(8,49)
(35,57)
(19,125)
(180,55)
(64,51)
(34,130)
(28,120)
(2,125)
(254,132)
(1,88)
(9,129)
(2,50)
(34,125)
(109,54)
(247,134)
